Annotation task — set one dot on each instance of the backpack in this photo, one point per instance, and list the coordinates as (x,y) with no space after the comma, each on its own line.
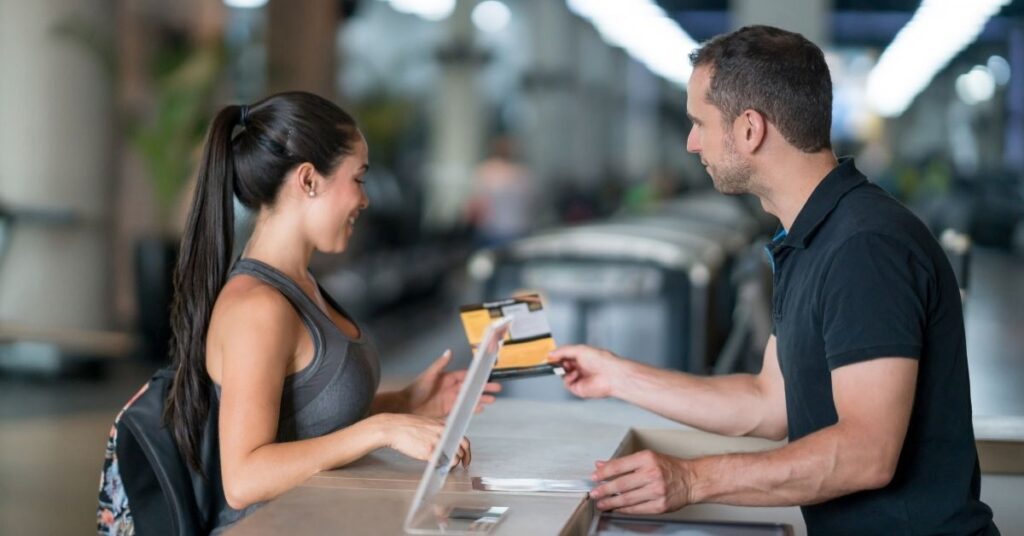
(145,486)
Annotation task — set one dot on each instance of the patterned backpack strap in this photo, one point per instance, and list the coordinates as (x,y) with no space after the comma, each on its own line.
(113,515)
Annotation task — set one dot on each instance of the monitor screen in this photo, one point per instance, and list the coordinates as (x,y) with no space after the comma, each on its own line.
(436,472)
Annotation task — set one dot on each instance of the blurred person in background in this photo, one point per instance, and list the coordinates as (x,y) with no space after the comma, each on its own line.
(500,207)
(286,377)
(866,370)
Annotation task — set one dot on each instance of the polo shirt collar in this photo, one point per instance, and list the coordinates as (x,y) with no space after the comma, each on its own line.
(822,202)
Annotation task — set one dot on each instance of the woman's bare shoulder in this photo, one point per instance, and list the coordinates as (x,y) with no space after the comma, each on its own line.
(250,312)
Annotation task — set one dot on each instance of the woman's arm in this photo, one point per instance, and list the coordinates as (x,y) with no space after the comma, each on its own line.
(390,402)
(253,338)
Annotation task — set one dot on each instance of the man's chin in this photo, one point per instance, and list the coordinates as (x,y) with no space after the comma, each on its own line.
(729,189)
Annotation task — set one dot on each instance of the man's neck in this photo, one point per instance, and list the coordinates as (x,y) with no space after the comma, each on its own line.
(788,182)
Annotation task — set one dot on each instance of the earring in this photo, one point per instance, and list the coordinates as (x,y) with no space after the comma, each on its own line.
(312,192)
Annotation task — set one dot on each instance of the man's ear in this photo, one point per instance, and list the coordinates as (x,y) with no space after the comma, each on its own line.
(749,130)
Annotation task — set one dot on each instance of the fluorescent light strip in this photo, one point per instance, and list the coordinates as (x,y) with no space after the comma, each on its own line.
(433,10)
(936,33)
(646,33)
(640,27)
(245,4)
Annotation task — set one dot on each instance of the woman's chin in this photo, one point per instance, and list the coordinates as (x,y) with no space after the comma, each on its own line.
(341,242)
(337,247)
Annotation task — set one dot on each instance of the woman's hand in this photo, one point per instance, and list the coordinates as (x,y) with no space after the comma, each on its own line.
(433,393)
(417,436)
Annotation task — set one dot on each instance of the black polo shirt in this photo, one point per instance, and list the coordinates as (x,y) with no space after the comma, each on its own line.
(859,277)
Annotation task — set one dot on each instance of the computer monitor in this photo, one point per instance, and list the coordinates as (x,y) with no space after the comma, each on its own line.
(424,517)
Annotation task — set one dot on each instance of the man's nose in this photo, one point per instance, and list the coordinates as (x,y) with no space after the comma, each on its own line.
(692,143)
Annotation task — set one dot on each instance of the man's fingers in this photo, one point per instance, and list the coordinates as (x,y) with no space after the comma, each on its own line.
(619,466)
(618,486)
(568,351)
(492,387)
(625,500)
(647,507)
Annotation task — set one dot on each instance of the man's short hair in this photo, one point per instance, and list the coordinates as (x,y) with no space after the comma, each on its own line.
(780,74)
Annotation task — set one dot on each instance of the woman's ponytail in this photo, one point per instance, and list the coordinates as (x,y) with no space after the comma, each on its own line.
(202,269)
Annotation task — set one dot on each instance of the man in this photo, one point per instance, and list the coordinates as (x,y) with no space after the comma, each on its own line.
(866,369)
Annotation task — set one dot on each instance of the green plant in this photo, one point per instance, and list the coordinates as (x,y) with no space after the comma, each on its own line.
(168,138)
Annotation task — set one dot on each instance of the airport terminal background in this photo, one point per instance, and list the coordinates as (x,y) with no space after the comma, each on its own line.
(514,144)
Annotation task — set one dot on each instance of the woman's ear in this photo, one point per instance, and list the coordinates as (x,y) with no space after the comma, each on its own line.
(306,179)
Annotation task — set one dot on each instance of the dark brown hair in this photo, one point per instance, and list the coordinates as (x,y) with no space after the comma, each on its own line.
(780,74)
(273,136)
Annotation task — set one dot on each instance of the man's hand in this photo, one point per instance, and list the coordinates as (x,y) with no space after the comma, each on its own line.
(433,393)
(589,372)
(643,483)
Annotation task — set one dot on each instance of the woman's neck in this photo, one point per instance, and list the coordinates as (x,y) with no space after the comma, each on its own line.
(280,246)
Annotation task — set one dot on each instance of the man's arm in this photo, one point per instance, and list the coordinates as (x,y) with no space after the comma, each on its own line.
(737,404)
(873,402)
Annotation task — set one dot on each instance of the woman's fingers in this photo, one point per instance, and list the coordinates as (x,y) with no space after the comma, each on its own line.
(464,445)
(439,364)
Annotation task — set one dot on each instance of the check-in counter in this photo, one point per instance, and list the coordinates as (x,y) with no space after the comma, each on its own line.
(534,439)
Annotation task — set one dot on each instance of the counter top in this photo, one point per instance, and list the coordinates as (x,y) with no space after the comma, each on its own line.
(531,439)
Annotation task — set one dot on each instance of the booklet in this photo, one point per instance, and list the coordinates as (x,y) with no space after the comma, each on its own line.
(524,352)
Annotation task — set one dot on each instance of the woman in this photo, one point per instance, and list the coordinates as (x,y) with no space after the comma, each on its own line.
(295,377)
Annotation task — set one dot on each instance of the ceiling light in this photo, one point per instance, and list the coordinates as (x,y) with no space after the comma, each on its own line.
(1000,69)
(491,16)
(936,33)
(645,32)
(977,85)
(433,10)
(245,4)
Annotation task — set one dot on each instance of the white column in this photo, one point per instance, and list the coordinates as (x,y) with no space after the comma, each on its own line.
(591,144)
(549,87)
(672,130)
(641,122)
(457,126)
(1013,146)
(56,109)
(616,100)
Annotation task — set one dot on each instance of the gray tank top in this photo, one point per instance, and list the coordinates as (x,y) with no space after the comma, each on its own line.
(335,390)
